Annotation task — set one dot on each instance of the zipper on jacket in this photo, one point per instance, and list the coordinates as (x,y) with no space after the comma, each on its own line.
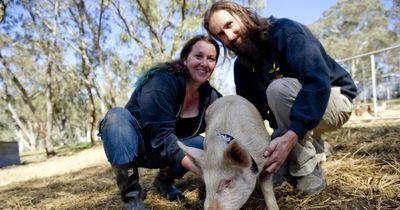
(202,114)
(198,127)
(179,111)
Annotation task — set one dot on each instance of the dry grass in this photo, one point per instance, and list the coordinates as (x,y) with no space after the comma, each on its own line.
(364,174)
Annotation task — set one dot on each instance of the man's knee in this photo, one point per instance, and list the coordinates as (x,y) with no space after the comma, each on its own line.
(283,89)
(274,89)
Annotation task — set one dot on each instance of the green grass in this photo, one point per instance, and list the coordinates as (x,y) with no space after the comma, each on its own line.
(393,101)
(40,155)
(70,149)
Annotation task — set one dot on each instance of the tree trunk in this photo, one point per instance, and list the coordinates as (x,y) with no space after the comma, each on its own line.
(93,119)
(51,50)
(49,108)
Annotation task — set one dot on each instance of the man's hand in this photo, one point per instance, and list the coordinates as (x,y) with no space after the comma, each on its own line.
(278,150)
(189,165)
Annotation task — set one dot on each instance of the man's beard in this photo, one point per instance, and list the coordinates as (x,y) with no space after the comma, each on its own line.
(250,47)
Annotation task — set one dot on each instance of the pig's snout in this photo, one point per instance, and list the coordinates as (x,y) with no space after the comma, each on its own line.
(213,205)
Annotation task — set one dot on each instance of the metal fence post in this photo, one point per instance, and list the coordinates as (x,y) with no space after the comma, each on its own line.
(374,84)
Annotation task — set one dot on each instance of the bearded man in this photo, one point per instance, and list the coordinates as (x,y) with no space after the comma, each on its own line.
(295,85)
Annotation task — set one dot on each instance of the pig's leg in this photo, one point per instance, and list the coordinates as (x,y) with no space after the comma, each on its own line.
(268,191)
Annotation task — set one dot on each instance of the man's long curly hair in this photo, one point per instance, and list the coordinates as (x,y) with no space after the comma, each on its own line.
(248,17)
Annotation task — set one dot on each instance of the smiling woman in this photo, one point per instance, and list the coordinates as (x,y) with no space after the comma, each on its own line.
(168,105)
(200,64)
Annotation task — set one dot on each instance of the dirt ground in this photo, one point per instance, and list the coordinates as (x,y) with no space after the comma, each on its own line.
(54,166)
(364,173)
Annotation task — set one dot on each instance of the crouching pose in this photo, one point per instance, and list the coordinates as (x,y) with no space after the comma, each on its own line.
(168,105)
(285,72)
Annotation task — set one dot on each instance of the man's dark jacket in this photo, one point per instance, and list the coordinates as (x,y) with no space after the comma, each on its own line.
(292,51)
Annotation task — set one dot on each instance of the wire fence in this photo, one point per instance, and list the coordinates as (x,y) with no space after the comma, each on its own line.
(377,76)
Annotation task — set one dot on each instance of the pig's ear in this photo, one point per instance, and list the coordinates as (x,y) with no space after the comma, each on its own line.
(237,155)
(196,155)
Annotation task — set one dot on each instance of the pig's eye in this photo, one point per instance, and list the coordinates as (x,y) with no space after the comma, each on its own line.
(224,184)
(228,182)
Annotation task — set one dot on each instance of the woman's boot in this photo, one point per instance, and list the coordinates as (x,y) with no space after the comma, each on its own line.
(128,184)
(165,185)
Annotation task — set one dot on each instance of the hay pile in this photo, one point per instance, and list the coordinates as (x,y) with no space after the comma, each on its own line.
(363,174)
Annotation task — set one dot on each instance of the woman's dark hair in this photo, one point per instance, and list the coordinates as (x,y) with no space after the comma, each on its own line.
(187,48)
(177,66)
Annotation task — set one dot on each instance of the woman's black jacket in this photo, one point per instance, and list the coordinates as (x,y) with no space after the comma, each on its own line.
(157,106)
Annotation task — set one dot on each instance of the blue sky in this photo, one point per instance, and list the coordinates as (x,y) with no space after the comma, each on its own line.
(303,11)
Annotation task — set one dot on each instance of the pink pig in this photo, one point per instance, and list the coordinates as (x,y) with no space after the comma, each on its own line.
(232,159)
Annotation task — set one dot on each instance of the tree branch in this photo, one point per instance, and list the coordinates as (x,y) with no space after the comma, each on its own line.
(131,32)
(152,30)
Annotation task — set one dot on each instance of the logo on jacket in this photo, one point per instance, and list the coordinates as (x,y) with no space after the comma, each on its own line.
(275,69)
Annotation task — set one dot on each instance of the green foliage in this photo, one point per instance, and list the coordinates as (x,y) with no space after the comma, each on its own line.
(347,26)
(352,28)
(95,51)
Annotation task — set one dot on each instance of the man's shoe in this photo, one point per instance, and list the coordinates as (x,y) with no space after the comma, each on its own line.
(312,183)
(165,185)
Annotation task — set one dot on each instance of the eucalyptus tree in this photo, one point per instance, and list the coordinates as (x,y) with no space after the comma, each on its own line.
(354,27)
(31,48)
(26,123)
(64,63)
(44,25)
(394,14)
(3,6)
(153,31)
(84,30)
(19,92)
(32,58)
(394,18)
